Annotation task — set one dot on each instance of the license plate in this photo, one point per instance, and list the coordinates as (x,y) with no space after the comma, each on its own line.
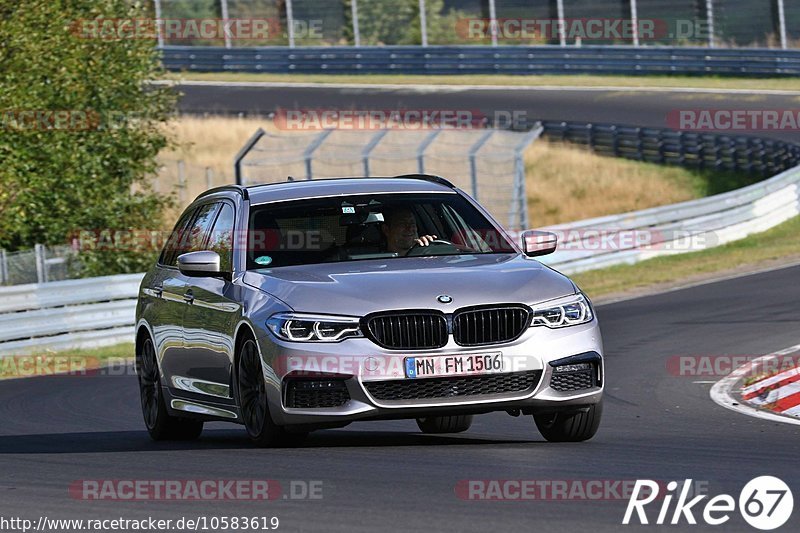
(454,365)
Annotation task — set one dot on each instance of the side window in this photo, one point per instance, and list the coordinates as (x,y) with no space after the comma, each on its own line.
(172,249)
(197,236)
(221,239)
(189,234)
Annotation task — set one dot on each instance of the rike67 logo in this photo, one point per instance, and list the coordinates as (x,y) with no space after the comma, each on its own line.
(765,503)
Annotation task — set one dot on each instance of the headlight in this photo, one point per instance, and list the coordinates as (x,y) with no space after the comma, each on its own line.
(569,311)
(299,327)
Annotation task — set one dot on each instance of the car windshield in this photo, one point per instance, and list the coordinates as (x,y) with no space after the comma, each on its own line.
(376,226)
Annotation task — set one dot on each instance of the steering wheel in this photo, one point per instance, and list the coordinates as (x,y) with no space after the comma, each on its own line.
(419,250)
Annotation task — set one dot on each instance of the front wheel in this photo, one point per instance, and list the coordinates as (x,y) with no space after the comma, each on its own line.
(160,424)
(252,393)
(445,424)
(572,426)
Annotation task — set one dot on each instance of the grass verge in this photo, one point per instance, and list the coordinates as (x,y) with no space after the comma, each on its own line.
(566,182)
(774,246)
(577,80)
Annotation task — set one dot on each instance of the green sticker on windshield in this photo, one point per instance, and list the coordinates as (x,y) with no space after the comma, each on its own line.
(264,260)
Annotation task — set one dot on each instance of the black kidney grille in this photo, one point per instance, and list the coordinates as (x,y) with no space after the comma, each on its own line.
(448,387)
(408,330)
(476,327)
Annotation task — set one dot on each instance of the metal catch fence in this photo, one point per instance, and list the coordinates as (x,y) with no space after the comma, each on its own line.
(38,265)
(297,23)
(487,163)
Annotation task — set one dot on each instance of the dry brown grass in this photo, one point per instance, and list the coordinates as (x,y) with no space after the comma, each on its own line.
(207,147)
(211,142)
(564,182)
(567,183)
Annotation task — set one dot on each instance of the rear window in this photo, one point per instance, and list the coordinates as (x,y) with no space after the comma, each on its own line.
(387,226)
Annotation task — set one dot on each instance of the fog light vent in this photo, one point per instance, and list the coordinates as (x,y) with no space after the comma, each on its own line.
(568,378)
(314,394)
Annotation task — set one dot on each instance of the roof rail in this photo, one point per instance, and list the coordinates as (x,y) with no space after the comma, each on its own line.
(291,179)
(428,177)
(231,188)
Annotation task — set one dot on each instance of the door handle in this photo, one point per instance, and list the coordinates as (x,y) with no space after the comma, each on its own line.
(188,296)
(156,291)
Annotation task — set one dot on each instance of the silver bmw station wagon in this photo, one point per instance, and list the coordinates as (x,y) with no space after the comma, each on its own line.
(307,305)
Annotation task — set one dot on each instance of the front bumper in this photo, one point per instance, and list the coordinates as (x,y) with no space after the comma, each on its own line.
(359,364)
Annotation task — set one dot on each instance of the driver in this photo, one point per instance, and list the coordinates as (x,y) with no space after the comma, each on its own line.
(400,229)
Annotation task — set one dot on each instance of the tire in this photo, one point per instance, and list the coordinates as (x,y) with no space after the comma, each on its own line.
(445,424)
(251,392)
(575,426)
(160,424)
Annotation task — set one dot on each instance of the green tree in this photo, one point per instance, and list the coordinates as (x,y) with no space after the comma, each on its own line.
(81,162)
(192,9)
(387,22)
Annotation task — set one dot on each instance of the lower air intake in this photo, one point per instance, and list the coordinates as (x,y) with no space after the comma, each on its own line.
(315,394)
(450,387)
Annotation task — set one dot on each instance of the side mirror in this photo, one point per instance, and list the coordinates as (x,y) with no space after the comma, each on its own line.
(536,243)
(199,264)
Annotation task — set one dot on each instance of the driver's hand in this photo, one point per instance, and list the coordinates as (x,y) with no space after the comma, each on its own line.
(425,240)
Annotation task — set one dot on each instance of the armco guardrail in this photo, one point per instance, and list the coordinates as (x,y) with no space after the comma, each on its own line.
(82,313)
(485,60)
(689,226)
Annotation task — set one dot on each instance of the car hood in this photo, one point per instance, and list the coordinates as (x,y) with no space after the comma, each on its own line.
(358,288)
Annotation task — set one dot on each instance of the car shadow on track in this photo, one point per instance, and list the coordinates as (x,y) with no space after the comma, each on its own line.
(139,441)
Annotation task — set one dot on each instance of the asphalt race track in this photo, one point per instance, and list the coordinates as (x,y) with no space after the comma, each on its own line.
(639,108)
(388,476)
